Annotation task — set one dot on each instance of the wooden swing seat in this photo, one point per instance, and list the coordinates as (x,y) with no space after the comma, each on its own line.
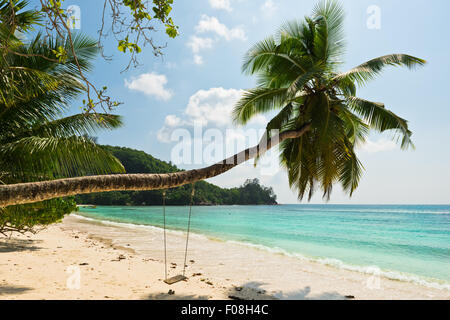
(175,279)
(180,277)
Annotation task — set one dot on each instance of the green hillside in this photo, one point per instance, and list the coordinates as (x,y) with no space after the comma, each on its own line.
(134,161)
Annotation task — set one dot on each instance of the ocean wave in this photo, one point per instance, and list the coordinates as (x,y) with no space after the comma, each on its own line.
(336,263)
(386,210)
(141,226)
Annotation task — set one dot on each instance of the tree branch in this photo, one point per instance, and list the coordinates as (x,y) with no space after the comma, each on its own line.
(39,191)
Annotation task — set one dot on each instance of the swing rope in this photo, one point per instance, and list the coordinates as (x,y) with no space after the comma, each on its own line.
(187,233)
(165,241)
(188,229)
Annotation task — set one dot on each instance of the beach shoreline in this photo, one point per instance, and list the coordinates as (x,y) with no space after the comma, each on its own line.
(116,261)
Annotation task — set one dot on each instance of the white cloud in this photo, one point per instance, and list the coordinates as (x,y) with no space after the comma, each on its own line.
(268,6)
(268,9)
(212,24)
(378,146)
(214,107)
(198,59)
(196,43)
(151,84)
(173,121)
(221,4)
(210,108)
(163,135)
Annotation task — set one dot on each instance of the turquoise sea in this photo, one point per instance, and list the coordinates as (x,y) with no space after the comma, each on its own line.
(409,243)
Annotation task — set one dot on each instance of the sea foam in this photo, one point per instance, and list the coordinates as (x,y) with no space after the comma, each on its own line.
(336,263)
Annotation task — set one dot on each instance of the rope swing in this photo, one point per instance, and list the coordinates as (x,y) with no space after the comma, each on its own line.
(180,277)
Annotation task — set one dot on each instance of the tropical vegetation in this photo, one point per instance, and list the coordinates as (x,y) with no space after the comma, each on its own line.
(130,22)
(320,119)
(299,78)
(36,141)
(134,161)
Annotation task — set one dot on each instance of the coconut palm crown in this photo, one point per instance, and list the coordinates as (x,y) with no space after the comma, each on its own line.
(37,85)
(298,75)
(36,141)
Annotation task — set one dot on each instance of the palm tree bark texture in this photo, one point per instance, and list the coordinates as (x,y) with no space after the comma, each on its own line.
(23,193)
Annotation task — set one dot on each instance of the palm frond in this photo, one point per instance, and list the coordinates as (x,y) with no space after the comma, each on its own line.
(297,73)
(35,90)
(281,119)
(298,36)
(379,118)
(33,69)
(79,124)
(33,157)
(266,53)
(256,101)
(346,86)
(303,78)
(23,21)
(18,83)
(329,15)
(351,172)
(370,69)
(356,129)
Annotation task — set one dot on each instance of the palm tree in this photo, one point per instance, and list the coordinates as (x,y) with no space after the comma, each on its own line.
(298,76)
(320,119)
(36,142)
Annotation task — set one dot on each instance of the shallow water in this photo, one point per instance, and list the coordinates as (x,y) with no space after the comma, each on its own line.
(402,241)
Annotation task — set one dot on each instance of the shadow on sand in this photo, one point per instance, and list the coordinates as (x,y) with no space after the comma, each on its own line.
(17,245)
(165,296)
(7,290)
(254,291)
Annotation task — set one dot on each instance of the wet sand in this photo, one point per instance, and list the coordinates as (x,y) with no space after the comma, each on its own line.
(83,259)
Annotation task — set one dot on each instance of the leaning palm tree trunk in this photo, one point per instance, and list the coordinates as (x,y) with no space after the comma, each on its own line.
(23,193)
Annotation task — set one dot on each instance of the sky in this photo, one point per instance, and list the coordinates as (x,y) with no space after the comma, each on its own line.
(199,78)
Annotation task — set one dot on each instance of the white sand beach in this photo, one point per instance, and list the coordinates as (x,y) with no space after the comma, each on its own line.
(120,262)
